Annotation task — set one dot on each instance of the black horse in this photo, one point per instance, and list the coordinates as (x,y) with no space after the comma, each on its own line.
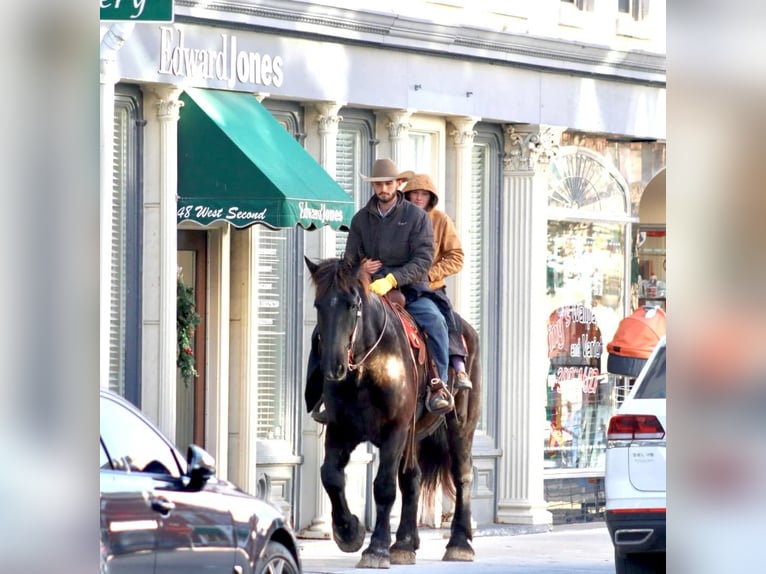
(373,389)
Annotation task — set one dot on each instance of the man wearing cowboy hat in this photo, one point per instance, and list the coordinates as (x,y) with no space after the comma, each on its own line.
(394,242)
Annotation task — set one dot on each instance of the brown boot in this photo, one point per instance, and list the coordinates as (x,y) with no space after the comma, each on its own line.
(463,382)
(438,399)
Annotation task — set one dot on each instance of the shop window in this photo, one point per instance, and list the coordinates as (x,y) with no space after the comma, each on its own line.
(124,317)
(479,277)
(271,301)
(423,152)
(588,293)
(353,156)
(275,293)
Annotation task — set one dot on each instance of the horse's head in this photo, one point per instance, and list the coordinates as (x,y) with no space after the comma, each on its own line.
(340,289)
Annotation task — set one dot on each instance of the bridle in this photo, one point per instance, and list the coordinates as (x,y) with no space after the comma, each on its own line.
(352,366)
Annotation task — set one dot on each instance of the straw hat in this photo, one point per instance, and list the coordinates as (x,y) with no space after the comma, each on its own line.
(386,170)
(422,181)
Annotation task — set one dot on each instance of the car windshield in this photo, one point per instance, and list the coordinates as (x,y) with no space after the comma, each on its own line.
(653,384)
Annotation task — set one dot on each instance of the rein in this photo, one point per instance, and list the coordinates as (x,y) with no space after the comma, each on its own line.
(354,366)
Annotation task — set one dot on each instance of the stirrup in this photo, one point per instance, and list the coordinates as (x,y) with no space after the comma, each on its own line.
(439,400)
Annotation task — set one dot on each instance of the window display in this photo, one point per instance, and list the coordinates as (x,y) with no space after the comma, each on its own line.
(585,279)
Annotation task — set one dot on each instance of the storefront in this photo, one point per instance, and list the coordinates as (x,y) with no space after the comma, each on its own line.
(195,96)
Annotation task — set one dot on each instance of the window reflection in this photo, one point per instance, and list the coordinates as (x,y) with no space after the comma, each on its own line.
(585,275)
(132,445)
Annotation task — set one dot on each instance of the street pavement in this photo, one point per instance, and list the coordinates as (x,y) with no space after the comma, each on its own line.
(572,549)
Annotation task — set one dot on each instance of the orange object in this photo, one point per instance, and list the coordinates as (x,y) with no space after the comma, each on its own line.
(639,333)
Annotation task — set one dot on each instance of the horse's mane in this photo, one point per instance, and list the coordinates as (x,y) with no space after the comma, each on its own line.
(335,273)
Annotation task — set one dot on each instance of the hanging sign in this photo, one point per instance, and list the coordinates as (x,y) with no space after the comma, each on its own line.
(137,10)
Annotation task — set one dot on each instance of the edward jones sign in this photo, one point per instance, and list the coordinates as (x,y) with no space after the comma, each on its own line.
(137,10)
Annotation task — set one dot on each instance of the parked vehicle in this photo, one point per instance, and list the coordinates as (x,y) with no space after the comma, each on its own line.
(635,472)
(161,513)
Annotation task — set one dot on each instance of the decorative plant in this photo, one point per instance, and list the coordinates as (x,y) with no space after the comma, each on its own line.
(187,319)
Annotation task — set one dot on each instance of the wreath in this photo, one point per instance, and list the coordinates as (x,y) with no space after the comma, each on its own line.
(187,319)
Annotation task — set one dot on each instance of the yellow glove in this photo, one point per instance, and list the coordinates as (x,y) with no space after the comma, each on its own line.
(383,286)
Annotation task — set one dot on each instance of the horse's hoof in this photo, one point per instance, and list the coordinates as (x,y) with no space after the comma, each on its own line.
(458,554)
(371,559)
(400,556)
(355,539)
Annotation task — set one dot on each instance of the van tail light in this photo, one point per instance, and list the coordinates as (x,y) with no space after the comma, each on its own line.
(634,427)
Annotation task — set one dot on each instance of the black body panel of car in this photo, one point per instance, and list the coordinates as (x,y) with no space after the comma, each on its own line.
(637,521)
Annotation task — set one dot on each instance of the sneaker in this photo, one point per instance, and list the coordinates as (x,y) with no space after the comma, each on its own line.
(463,382)
(439,399)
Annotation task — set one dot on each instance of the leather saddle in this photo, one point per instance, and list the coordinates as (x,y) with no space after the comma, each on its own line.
(395,299)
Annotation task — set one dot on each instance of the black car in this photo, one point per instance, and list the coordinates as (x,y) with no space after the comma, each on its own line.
(161,513)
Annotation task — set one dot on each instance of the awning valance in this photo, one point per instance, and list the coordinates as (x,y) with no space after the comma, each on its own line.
(237,163)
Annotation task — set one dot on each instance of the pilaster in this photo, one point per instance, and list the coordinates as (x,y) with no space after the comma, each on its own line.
(462,135)
(328,121)
(168,112)
(398,124)
(528,150)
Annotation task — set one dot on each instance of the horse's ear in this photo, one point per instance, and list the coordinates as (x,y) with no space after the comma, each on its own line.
(311,265)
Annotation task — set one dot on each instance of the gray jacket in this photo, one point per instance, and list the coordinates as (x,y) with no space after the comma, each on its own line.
(403,241)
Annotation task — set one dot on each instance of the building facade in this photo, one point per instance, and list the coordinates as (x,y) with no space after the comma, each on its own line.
(541,124)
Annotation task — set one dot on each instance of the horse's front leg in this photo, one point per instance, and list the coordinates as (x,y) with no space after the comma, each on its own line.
(347,531)
(459,548)
(407,538)
(376,555)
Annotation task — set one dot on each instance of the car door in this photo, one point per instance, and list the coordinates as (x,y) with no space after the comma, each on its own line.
(192,531)
(128,522)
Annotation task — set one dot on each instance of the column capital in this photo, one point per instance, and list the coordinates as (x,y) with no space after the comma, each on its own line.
(529,147)
(463,132)
(328,117)
(168,104)
(398,123)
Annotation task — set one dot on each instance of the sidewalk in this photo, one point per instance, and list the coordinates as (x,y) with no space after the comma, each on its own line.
(582,548)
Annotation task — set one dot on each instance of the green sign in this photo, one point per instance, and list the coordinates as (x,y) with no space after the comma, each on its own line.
(137,10)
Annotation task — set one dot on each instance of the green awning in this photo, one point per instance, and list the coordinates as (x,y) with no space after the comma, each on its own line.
(237,163)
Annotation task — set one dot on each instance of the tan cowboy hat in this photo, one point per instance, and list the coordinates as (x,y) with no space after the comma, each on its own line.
(386,170)
(422,181)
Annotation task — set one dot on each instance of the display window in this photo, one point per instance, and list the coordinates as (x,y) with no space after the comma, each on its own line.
(588,293)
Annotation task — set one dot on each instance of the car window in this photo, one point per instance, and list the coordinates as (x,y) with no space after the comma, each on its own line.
(653,384)
(132,445)
(103,457)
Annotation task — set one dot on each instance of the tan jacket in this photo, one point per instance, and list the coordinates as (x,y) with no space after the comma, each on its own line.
(448,251)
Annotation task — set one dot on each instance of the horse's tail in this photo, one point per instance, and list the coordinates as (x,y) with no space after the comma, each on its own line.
(435,462)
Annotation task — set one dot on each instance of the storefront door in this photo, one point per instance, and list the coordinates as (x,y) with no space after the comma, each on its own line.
(191,391)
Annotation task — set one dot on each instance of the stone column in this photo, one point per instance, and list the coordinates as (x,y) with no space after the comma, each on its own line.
(462,133)
(398,124)
(328,121)
(168,113)
(528,150)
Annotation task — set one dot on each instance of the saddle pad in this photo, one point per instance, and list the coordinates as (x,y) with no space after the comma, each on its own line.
(411,329)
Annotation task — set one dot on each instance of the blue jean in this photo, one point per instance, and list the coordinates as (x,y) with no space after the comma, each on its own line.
(431,320)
